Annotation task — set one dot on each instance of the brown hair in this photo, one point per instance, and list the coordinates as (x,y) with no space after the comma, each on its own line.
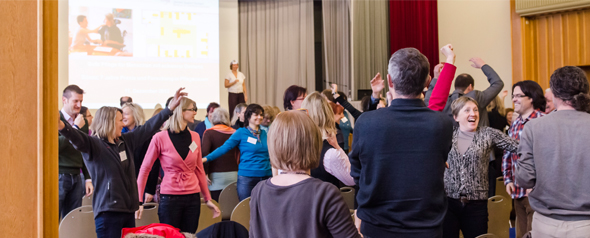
(459,103)
(294,142)
(72,88)
(337,109)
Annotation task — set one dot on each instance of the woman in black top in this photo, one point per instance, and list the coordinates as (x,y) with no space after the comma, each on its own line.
(109,156)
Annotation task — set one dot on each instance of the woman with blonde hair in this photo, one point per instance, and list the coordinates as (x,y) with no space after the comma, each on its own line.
(223,171)
(109,156)
(132,116)
(334,165)
(293,203)
(177,148)
(237,120)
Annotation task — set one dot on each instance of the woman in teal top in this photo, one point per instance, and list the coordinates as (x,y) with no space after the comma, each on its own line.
(254,165)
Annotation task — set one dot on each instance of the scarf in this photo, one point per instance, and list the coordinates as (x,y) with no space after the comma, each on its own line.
(223,129)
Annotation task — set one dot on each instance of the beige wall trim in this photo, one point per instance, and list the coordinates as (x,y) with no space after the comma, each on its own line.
(536,7)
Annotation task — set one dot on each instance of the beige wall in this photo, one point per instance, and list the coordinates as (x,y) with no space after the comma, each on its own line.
(478,28)
(228,51)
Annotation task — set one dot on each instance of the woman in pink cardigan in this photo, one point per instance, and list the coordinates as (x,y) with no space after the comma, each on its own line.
(179,151)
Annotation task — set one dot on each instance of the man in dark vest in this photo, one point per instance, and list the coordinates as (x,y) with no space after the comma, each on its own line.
(398,157)
(71,186)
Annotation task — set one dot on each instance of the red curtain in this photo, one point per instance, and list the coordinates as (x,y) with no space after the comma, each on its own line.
(414,24)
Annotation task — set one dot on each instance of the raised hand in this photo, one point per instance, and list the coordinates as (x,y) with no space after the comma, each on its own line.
(477,62)
(377,85)
(437,69)
(176,100)
(448,52)
(503,94)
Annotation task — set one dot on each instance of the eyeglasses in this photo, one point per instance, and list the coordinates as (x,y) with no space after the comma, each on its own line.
(519,96)
(194,109)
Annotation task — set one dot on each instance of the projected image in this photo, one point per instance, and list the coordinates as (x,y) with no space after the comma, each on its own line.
(173,44)
(100,31)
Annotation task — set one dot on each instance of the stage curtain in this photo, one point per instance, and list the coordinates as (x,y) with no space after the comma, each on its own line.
(276,48)
(415,24)
(336,24)
(370,42)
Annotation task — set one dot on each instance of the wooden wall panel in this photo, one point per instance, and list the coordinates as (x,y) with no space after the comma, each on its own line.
(547,42)
(28,188)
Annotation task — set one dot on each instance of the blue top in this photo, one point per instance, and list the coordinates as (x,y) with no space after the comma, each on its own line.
(346,129)
(254,159)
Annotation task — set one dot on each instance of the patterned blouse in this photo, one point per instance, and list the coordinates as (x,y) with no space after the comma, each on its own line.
(468,173)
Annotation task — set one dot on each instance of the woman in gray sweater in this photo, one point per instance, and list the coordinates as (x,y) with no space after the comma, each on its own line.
(466,179)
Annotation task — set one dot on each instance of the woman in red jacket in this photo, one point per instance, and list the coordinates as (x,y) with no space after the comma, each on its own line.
(179,151)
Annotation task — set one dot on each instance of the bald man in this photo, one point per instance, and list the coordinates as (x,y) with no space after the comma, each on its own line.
(549,98)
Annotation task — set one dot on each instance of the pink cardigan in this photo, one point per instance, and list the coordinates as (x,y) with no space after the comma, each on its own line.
(180,176)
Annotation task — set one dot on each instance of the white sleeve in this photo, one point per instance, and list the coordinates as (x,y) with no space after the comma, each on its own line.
(336,163)
(228,76)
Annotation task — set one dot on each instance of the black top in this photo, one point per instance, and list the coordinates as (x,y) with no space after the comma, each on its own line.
(139,154)
(238,125)
(399,168)
(111,33)
(115,185)
(497,121)
(320,172)
(181,142)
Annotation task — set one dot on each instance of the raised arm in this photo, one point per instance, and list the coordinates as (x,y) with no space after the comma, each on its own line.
(494,79)
(439,92)
(526,175)
(151,126)
(79,139)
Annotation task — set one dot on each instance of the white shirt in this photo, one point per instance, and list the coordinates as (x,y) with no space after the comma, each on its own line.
(238,87)
(67,117)
(336,163)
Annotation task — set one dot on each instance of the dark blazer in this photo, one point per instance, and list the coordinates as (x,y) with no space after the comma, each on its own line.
(115,186)
(398,161)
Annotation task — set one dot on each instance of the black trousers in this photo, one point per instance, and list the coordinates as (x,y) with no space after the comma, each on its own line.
(234,99)
(180,211)
(471,218)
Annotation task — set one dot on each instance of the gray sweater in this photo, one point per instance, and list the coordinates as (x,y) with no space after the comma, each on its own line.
(483,98)
(555,161)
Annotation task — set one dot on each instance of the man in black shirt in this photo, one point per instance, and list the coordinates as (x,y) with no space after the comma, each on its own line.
(111,34)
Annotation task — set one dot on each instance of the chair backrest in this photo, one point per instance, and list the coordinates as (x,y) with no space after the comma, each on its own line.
(348,195)
(87,200)
(241,213)
(206,217)
(149,215)
(228,200)
(499,215)
(488,235)
(501,188)
(78,223)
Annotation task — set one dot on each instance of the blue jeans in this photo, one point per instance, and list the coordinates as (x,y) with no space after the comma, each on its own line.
(246,184)
(180,211)
(110,224)
(71,191)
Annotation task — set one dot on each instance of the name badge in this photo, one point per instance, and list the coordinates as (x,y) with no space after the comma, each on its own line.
(123,156)
(193,146)
(344,119)
(252,140)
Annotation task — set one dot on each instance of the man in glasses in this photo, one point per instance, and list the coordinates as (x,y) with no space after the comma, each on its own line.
(529,103)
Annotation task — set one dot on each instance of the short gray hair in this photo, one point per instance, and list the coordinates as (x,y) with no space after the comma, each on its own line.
(220,116)
(408,69)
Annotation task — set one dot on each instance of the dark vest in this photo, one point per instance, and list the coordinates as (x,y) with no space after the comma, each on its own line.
(320,172)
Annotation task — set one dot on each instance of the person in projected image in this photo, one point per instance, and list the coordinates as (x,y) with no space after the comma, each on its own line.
(81,37)
(110,33)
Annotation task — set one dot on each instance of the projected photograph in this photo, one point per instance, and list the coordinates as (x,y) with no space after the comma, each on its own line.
(99,31)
